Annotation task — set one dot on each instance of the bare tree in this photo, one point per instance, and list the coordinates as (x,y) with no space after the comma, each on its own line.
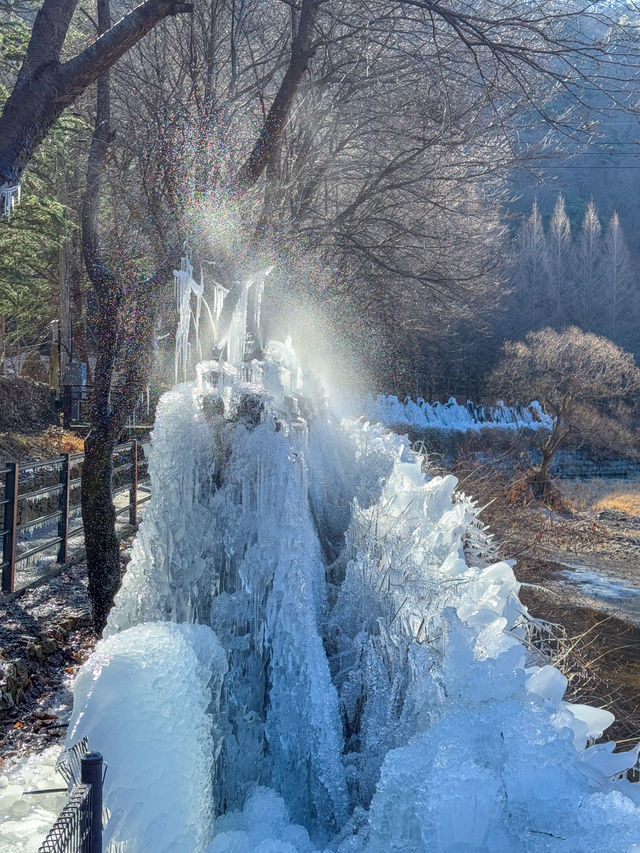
(580,379)
(377,133)
(133,339)
(617,283)
(532,275)
(45,86)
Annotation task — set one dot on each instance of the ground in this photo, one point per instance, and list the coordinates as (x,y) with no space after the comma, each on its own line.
(45,635)
(38,444)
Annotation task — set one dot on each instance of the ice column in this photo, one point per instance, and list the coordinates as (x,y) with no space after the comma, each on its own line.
(184,285)
(9,196)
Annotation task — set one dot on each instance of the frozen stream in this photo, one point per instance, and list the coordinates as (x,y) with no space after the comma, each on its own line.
(605,590)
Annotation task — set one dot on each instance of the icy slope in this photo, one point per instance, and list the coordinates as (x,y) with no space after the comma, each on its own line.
(380,693)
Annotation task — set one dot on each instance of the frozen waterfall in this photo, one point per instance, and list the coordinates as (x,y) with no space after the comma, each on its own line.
(303,656)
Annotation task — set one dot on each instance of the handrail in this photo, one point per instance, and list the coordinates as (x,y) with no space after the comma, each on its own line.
(14,503)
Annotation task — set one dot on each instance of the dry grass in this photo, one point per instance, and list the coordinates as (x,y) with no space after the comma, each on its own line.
(64,442)
(598,494)
(33,447)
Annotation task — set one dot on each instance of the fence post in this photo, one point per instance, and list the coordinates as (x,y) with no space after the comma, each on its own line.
(91,774)
(63,521)
(67,405)
(133,491)
(10,524)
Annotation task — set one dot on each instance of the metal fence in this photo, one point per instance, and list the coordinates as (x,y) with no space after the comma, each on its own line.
(78,828)
(30,501)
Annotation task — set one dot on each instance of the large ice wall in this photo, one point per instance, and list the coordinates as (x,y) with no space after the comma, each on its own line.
(380,691)
(452,416)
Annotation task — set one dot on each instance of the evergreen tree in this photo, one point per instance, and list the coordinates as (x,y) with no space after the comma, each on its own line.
(559,253)
(589,269)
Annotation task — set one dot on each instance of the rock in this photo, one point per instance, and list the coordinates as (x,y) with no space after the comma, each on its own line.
(34,650)
(50,646)
(6,701)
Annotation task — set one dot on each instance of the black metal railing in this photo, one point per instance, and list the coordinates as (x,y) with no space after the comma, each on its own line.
(78,828)
(30,500)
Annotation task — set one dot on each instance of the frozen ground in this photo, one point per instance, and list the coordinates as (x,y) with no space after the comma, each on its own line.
(25,819)
(611,594)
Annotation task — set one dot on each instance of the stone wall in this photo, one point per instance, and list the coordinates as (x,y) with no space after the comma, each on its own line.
(509,449)
(583,464)
(25,404)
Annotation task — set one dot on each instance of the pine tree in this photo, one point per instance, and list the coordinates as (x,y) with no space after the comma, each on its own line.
(617,285)
(559,252)
(588,295)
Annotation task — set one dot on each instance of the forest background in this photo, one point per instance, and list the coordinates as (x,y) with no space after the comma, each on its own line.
(425,202)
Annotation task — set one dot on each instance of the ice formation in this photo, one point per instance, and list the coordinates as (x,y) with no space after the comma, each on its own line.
(26,819)
(348,670)
(418,414)
(9,196)
(160,750)
(184,286)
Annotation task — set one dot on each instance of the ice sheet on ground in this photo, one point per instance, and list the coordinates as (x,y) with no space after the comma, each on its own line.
(26,820)
(599,584)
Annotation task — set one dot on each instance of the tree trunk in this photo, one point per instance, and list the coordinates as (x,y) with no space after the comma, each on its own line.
(302,50)
(98,511)
(135,344)
(78,307)
(99,520)
(540,482)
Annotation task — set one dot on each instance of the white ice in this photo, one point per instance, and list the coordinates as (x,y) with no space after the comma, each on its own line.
(25,819)
(377,688)
(419,415)
(146,699)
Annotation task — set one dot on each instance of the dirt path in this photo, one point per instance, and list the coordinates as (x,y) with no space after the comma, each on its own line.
(45,636)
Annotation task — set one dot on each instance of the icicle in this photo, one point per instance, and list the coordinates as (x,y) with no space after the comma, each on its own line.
(238,330)
(9,196)
(184,284)
(199,291)
(257,282)
(219,293)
